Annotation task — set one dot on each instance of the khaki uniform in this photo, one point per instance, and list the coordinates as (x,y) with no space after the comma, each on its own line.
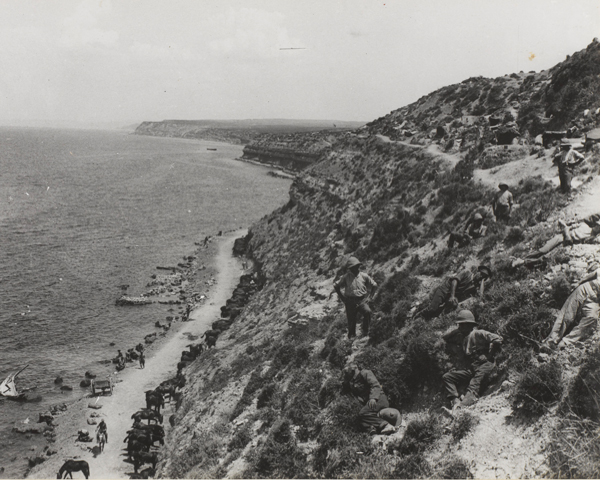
(364,387)
(586,297)
(476,347)
(356,293)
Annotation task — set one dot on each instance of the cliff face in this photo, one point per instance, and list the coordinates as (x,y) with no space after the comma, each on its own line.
(269,401)
(292,151)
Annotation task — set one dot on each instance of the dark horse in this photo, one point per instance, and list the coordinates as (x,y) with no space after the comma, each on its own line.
(71,466)
(147,414)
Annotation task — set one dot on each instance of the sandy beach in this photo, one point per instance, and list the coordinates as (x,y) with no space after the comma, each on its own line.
(128,396)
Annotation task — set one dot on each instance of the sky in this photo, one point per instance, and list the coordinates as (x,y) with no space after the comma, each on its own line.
(125,61)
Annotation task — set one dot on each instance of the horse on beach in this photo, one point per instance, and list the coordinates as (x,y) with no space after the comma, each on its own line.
(71,466)
(140,458)
(154,399)
(146,414)
(101,440)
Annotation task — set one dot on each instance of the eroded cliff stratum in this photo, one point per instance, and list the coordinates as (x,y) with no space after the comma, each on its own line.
(268,401)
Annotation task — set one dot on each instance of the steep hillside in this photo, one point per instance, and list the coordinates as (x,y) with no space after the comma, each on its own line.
(269,400)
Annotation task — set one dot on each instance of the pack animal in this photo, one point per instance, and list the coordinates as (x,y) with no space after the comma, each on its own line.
(134,446)
(147,429)
(211,342)
(145,438)
(71,466)
(141,458)
(154,400)
(146,414)
(101,440)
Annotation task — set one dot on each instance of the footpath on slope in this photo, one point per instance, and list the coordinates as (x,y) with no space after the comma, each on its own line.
(128,396)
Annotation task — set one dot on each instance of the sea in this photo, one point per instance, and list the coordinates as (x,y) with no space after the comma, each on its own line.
(82,213)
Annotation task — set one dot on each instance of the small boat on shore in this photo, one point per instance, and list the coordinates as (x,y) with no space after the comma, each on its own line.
(8,388)
(213,149)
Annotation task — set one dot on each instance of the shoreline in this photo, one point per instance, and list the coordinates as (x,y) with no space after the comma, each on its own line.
(289,174)
(130,384)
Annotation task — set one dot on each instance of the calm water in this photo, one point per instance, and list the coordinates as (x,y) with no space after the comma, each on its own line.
(83,212)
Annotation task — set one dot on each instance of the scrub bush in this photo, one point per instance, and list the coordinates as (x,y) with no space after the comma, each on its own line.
(513,311)
(515,235)
(279,455)
(381,329)
(329,391)
(338,354)
(386,365)
(202,452)
(337,455)
(584,394)
(400,285)
(265,395)
(254,384)
(412,466)
(241,438)
(339,439)
(538,199)
(537,389)
(302,407)
(462,425)
(454,467)
(420,434)
(423,360)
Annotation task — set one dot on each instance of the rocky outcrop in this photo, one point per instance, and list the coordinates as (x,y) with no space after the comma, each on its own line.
(292,151)
(283,157)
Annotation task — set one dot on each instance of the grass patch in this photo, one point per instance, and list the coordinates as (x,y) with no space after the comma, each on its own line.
(464,423)
(241,438)
(199,455)
(454,467)
(413,465)
(278,456)
(574,450)
(339,441)
(420,435)
(255,382)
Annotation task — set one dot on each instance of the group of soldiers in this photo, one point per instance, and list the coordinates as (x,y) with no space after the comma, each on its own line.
(477,346)
(135,353)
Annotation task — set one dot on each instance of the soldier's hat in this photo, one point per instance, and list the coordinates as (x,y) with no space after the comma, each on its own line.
(465,316)
(503,186)
(349,370)
(353,262)
(391,415)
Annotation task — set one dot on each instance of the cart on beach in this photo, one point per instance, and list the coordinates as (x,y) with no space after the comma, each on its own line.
(102,386)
